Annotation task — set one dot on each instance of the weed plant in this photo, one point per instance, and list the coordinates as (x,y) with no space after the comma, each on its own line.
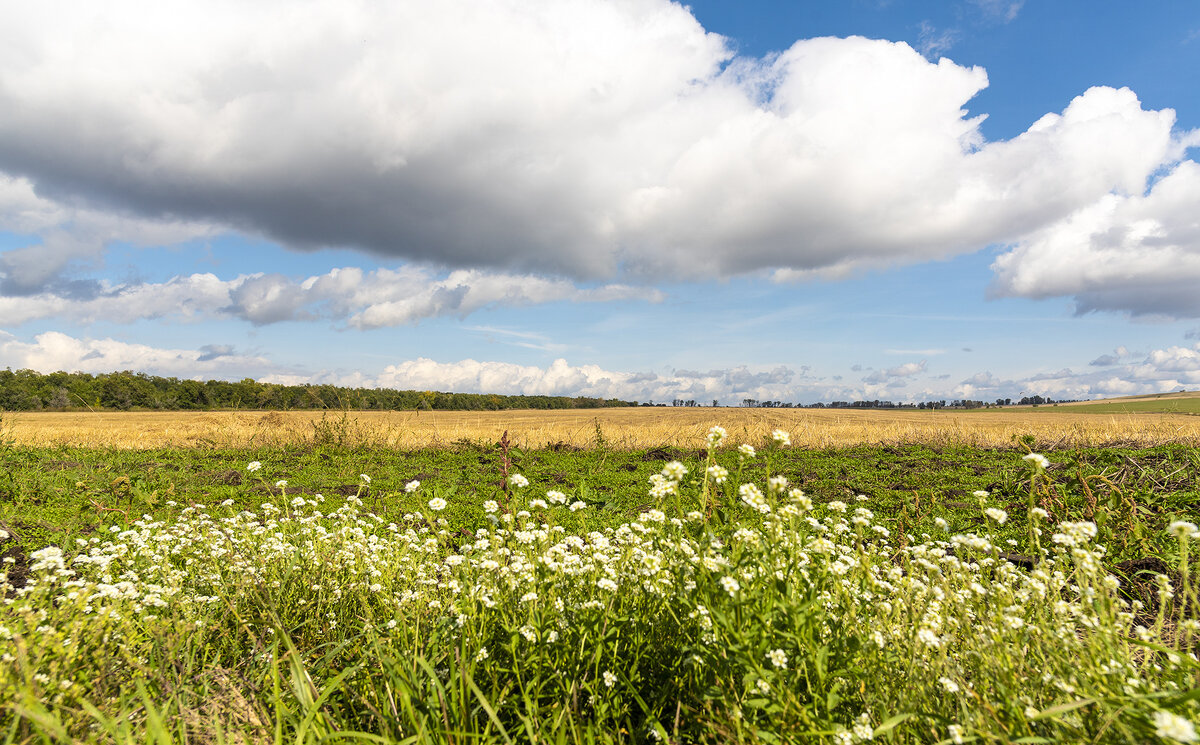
(732,610)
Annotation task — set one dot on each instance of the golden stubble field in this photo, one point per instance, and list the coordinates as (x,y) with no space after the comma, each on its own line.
(617,428)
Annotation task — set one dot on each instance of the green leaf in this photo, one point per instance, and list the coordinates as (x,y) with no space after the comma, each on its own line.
(891,723)
(1061,709)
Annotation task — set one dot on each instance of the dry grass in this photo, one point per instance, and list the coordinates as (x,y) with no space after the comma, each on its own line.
(619,428)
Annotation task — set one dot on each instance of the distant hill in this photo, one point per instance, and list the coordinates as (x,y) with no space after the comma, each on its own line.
(1177,402)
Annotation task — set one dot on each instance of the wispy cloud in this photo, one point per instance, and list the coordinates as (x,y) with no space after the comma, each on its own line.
(916,352)
(526,339)
(1003,11)
(933,42)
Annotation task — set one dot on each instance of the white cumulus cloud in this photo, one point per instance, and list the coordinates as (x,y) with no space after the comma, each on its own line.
(1130,252)
(53,351)
(374,299)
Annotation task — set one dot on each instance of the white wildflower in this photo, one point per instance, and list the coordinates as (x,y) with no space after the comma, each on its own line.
(956,734)
(778,658)
(1038,460)
(1174,727)
(1182,529)
(674,470)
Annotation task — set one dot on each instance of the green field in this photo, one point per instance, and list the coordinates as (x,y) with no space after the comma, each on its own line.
(878,595)
(1166,403)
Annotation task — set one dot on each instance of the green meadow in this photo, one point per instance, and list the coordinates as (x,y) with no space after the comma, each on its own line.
(483,593)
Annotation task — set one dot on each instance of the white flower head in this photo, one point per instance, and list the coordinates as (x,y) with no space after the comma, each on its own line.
(281,484)
(412,486)
(437,504)
(577,505)
(491,506)
(778,658)
(1182,529)
(1039,461)
(717,473)
(746,451)
(609,678)
(716,435)
(365,478)
(674,471)
(253,466)
(781,438)
(996,514)
(518,481)
(1173,727)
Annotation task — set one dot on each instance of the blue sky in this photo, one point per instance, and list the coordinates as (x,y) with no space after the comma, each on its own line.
(794,201)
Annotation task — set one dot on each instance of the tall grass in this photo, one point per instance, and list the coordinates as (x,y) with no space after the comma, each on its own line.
(730,612)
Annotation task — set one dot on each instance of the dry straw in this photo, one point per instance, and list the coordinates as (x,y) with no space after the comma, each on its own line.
(615,428)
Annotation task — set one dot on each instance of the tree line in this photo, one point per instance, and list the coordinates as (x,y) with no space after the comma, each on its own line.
(29,390)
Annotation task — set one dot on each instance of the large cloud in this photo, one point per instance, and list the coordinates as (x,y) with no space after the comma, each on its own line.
(585,139)
(71,234)
(1132,252)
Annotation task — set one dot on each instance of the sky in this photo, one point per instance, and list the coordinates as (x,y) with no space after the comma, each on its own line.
(783,201)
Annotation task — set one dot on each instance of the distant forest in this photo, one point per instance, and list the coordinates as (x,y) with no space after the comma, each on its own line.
(28,390)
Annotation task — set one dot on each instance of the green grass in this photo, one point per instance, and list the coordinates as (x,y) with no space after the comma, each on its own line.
(881,603)
(1163,403)
(52,496)
(1190,405)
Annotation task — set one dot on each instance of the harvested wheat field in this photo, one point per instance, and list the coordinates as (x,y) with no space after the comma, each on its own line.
(616,428)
